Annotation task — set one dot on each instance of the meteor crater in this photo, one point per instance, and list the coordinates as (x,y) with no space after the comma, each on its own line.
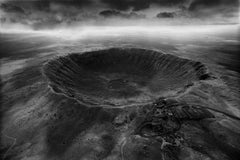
(119,77)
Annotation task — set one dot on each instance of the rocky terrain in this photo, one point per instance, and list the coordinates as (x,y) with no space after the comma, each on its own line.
(63,100)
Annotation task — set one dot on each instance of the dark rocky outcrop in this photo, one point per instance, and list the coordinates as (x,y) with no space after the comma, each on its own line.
(164,117)
(161,126)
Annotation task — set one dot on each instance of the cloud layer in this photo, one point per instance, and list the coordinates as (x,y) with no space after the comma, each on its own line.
(51,13)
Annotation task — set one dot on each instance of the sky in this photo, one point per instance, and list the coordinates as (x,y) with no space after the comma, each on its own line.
(40,14)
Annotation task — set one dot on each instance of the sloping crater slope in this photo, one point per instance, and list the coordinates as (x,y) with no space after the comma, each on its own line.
(119,77)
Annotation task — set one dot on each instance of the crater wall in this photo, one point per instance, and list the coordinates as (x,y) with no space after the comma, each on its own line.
(118,77)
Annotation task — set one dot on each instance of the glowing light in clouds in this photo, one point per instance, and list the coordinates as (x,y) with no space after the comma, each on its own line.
(96,31)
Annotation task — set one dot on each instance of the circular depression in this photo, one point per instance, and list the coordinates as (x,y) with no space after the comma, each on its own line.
(119,77)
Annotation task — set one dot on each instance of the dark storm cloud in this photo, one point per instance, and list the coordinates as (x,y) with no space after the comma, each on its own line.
(11,8)
(196,8)
(45,4)
(119,14)
(218,8)
(55,12)
(166,15)
(136,5)
(112,4)
(201,4)
(40,13)
(140,4)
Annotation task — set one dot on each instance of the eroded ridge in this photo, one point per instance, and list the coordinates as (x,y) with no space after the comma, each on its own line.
(119,77)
